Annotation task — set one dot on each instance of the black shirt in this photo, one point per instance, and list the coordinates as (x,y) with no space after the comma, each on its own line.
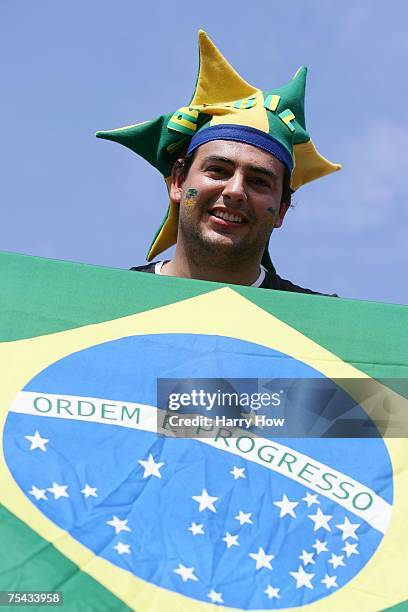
(271,281)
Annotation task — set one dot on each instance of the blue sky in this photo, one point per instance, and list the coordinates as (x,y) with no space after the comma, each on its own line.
(70,68)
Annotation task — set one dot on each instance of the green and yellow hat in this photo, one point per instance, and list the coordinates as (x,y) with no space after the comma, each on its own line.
(225,107)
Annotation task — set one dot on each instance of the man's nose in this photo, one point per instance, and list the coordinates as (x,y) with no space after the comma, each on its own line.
(234,189)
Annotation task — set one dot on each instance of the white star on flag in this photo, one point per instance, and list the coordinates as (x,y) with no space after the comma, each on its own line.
(329,581)
(320,520)
(230,540)
(244,517)
(237,472)
(303,579)
(348,529)
(336,560)
(272,592)
(151,468)
(122,548)
(286,507)
(118,524)
(262,559)
(310,499)
(350,549)
(186,573)
(205,501)
(58,490)
(37,441)
(89,491)
(196,529)
(215,597)
(307,557)
(38,493)
(320,547)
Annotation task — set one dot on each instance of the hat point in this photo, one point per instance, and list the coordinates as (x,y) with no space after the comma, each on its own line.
(217,81)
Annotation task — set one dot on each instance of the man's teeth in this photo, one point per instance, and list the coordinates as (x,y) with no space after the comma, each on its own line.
(224,215)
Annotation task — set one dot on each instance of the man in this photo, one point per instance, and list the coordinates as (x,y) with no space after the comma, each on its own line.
(244,151)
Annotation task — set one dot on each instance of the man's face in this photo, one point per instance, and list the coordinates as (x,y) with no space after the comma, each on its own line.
(230,200)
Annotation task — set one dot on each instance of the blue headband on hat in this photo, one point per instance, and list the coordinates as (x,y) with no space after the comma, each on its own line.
(245,134)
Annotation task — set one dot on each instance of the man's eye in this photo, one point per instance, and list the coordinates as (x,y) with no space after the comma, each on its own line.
(216,169)
(261,182)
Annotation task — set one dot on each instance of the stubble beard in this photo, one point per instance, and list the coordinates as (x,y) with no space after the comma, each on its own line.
(213,250)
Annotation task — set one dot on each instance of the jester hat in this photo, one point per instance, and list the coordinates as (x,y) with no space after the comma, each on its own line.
(225,107)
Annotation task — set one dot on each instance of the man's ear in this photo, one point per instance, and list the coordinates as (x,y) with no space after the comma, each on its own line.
(177,182)
(283,209)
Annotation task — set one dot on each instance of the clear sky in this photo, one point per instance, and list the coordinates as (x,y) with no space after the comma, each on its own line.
(71,67)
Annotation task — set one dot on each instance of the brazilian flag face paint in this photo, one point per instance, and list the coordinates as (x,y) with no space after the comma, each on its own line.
(225,107)
(190,197)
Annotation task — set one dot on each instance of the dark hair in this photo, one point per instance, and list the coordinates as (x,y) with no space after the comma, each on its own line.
(185,165)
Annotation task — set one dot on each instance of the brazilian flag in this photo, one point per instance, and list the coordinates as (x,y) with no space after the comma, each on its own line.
(97,505)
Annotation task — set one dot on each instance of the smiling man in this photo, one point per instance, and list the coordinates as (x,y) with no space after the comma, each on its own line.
(230,200)
(230,160)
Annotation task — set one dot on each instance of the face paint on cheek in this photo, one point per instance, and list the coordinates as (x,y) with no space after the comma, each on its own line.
(190,197)
(272,212)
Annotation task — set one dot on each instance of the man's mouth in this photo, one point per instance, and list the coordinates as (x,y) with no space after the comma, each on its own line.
(227,216)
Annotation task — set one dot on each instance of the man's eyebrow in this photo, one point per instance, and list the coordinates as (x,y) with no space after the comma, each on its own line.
(218,158)
(258,169)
